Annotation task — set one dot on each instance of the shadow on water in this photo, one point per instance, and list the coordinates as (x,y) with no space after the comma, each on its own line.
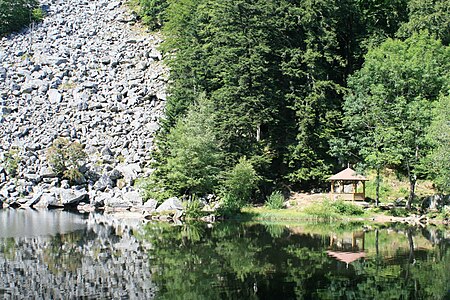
(303,261)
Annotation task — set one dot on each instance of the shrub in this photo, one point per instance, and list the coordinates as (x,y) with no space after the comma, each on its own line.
(193,209)
(11,161)
(275,200)
(152,12)
(189,159)
(322,210)
(65,158)
(38,14)
(15,14)
(239,185)
(346,208)
(398,212)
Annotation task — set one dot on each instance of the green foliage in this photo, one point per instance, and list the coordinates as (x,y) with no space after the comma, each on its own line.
(38,14)
(15,14)
(437,163)
(239,184)
(431,15)
(384,190)
(193,209)
(151,11)
(347,208)
(65,158)
(73,175)
(275,200)
(11,162)
(276,73)
(188,158)
(388,110)
(321,210)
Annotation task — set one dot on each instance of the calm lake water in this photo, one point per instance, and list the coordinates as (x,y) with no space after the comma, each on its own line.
(62,255)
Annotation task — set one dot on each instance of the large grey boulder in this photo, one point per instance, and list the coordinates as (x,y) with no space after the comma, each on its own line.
(117,202)
(71,197)
(2,175)
(130,172)
(435,202)
(33,200)
(104,182)
(46,200)
(47,172)
(133,197)
(150,205)
(101,199)
(170,204)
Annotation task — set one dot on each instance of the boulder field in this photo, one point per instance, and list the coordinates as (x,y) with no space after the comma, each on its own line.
(88,73)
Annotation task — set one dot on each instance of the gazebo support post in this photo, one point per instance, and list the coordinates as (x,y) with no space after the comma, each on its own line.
(364,189)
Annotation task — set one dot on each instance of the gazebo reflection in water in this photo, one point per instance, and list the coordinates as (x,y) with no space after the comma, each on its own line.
(347,247)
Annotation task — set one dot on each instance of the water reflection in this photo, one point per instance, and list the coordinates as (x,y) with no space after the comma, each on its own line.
(32,223)
(60,255)
(309,261)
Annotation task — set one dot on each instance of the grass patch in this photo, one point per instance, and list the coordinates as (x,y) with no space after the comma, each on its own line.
(394,186)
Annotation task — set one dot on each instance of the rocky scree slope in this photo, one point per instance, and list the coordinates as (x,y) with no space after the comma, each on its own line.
(88,73)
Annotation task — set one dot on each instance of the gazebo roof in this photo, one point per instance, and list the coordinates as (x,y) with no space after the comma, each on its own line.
(348,174)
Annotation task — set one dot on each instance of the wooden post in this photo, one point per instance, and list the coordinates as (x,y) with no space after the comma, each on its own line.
(364,190)
(332,189)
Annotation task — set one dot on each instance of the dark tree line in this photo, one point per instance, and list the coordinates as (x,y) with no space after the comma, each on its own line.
(280,85)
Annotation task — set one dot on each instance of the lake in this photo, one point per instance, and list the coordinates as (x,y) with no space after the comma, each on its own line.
(62,255)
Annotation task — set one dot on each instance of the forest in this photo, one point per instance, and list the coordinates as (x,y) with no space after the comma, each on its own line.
(271,95)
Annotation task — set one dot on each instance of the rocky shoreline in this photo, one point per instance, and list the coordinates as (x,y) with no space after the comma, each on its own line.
(88,73)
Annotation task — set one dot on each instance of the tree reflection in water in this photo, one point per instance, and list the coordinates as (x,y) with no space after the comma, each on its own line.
(256,261)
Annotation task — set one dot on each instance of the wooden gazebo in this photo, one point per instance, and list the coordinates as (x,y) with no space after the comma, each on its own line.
(348,185)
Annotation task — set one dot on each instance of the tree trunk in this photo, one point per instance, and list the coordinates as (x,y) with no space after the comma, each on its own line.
(412,186)
(377,196)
